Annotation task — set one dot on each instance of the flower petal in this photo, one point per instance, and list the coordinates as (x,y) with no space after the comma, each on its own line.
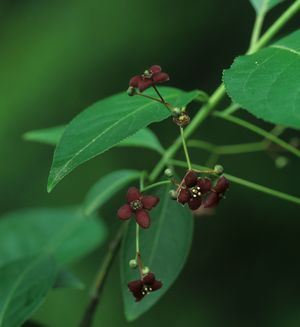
(160,77)
(204,184)
(156,285)
(183,196)
(124,212)
(139,296)
(212,200)
(222,185)
(190,179)
(135,286)
(142,218)
(134,82)
(133,194)
(195,203)
(144,84)
(149,278)
(155,69)
(149,201)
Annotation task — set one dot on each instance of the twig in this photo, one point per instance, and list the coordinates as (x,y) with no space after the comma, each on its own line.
(89,313)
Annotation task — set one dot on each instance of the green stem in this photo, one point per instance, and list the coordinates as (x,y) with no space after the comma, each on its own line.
(188,161)
(260,131)
(196,121)
(241,148)
(231,109)
(89,313)
(259,20)
(149,187)
(276,27)
(142,180)
(212,160)
(219,93)
(166,104)
(137,239)
(246,183)
(228,149)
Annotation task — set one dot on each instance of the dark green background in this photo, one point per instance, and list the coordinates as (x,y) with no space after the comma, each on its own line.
(58,57)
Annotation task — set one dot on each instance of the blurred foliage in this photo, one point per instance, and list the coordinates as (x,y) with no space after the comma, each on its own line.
(58,57)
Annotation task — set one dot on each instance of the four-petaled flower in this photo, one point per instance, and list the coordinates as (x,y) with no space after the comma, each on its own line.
(139,206)
(141,287)
(193,189)
(217,193)
(150,77)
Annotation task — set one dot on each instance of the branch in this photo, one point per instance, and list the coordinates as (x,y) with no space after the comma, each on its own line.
(219,93)
(89,313)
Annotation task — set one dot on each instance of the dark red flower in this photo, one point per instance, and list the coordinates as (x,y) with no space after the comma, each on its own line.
(217,193)
(139,206)
(141,287)
(192,190)
(150,77)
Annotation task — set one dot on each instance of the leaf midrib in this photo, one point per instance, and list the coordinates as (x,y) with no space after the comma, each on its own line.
(55,179)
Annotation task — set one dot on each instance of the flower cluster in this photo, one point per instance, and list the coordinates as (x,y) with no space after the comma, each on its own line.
(139,206)
(150,77)
(141,287)
(193,190)
(197,191)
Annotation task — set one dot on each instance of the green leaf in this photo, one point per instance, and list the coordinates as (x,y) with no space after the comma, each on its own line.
(24,285)
(49,136)
(64,233)
(164,248)
(66,279)
(267,83)
(106,187)
(107,123)
(144,138)
(264,5)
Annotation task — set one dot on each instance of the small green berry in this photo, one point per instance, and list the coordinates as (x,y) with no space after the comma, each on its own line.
(281,162)
(146,270)
(131,91)
(176,112)
(169,172)
(219,169)
(133,264)
(173,194)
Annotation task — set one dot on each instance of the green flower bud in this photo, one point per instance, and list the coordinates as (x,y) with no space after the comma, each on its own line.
(173,194)
(133,264)
(146,270)
(219,169)
(281,162)
(176,112)
(131,91)
(169,172)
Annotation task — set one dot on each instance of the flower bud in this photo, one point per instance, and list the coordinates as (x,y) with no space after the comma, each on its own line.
(176,112)
(133,264)
(169,172)
(131,91)
(281,162)
(173,194)
(219,169)
(146,270)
